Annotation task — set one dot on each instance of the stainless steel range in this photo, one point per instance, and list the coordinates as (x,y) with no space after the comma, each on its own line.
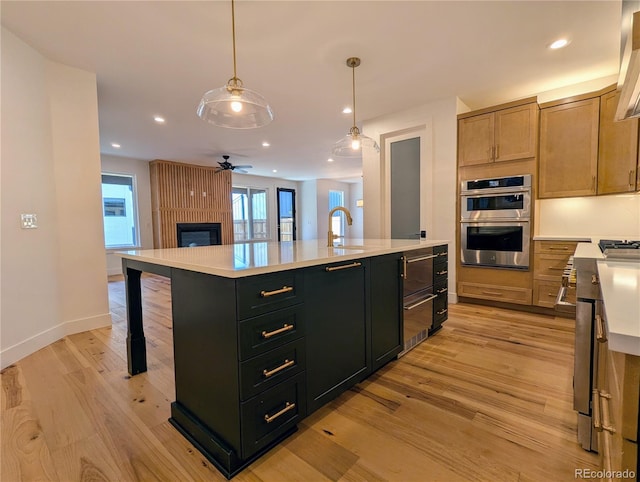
(614,249)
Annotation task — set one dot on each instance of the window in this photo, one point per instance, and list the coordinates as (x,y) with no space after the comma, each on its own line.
(119,211)
(336,198)
(249,207)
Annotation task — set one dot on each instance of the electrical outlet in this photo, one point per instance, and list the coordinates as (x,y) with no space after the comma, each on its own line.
(29,221)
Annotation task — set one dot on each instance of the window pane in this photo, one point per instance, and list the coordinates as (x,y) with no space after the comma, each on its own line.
(250,220)
(119,213)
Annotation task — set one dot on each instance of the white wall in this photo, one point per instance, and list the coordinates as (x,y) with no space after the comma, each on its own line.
(438,123)
(54,276)
(271,184)
(357,213)
(308,225)
(139,169)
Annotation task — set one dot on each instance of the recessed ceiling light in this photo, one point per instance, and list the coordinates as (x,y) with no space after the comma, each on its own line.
(329,160)
(558,44)
(275,170)
(116,145)
(347,110)
(159,119)
(265,144)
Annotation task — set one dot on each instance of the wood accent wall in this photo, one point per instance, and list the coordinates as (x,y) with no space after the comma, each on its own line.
(186,193)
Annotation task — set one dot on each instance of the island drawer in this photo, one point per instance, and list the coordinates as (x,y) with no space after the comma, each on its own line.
(271,414)
(441,252)
(440,273)
(263,333)
(265,371)
(264,293)
(440,308)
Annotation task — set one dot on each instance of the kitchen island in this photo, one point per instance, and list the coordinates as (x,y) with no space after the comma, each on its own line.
(266,333)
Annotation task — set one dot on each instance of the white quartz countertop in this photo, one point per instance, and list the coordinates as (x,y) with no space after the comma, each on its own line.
(620,284)
(246,259)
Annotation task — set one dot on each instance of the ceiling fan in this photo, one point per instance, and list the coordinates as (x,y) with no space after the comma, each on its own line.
(227,166)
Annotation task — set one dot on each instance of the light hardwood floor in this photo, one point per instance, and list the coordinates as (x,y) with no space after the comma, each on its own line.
(488,398)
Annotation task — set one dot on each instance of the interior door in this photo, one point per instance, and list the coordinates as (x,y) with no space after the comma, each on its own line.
(286,214)
(405,188)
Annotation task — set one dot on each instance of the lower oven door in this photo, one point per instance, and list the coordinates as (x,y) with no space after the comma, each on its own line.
(502,244)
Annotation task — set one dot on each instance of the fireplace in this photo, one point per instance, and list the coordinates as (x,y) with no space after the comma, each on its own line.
(198,234)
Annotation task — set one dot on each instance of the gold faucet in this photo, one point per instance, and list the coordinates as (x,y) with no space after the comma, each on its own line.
(331,236)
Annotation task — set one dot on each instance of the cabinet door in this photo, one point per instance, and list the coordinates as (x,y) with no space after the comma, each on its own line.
(516,132)
(475,140)
(569,149)
(618,153)
(336,329)
(385,308)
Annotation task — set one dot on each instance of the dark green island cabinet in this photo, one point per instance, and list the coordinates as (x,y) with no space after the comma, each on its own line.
(254,355)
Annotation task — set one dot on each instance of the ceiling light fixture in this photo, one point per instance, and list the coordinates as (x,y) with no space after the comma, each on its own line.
(558,44)
(265,144)
(233,105)
(115,145)
(351,145)
(347,110)
(159,119)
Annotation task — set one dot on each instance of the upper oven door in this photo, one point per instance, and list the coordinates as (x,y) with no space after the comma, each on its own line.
(497,205)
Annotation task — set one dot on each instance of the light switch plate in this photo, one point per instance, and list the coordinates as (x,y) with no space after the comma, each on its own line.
(29,221)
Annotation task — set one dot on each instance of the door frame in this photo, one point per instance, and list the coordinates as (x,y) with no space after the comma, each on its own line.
(426,178)
(293,204)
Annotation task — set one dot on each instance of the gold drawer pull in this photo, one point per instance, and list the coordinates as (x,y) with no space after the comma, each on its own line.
(442,290)
(560,248)
(286,364)
(443,254)
(442,312)
(441,272)
(269,334)
(601,336)
(421,258)
(595,402)
(284,289)
(410,307)
(287,407)
(606,422)
(344,266)
(594,280)
(492,293)
(555,268)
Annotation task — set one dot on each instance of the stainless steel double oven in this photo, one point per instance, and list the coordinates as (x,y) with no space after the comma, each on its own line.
(495,222)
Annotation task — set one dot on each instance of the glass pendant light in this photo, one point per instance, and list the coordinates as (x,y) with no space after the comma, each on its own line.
(233,105)
(351,145)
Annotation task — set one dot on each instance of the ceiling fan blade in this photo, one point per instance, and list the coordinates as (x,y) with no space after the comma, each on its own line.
(241,171)
(246,166)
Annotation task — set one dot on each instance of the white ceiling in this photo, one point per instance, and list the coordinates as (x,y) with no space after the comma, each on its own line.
(159,57)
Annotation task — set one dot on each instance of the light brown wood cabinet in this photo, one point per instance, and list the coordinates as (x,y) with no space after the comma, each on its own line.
(616,399)
(503,135)
(618,151)
(569,149)
(549,261)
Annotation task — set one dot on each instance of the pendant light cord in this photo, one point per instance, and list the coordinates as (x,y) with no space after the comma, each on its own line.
(233,34)
(353,90)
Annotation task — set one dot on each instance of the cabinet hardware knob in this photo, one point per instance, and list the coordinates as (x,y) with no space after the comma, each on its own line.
(284,289)
(287,363)
(344,266)
(287,406)
(285,327)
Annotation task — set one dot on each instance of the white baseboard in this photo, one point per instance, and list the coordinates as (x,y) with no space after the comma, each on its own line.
(32,344)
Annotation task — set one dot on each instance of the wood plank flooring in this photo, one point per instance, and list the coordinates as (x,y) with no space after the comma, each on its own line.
(488,398)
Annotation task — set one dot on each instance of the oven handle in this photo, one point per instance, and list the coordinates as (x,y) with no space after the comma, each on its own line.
(418,303)
(406,260)
(495,190)
(499,221)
